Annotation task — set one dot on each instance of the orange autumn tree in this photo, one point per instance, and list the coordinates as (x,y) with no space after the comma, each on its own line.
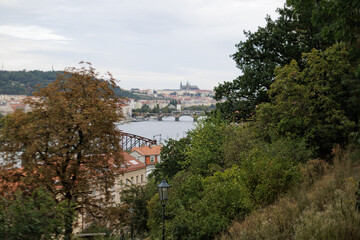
(68,142)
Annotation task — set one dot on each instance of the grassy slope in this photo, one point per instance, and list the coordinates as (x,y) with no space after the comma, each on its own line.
(323,206)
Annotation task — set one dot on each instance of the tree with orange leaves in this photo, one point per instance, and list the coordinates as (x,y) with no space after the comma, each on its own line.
(68,141)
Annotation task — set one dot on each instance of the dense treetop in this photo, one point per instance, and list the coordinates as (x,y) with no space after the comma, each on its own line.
(302,25)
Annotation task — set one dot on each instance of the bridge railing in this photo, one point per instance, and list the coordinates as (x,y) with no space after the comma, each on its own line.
(129,141)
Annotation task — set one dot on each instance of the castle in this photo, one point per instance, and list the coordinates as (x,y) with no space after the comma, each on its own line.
(188,86)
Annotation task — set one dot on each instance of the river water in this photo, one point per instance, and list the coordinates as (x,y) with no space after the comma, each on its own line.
(165,129)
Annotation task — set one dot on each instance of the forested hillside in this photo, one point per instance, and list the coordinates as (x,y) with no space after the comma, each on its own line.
(26,82)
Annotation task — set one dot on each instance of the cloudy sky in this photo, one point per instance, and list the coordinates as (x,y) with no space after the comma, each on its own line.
(144,43)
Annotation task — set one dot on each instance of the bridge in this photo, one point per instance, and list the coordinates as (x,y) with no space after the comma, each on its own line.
(129,141)
(177,115)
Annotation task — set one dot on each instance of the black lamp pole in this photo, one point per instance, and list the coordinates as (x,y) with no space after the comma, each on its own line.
(132,223)
(163,216)
(163,194)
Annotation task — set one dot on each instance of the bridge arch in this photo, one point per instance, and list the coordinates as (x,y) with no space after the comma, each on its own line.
(178,115)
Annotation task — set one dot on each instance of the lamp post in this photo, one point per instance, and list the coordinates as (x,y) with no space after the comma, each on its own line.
(163,194)
(132,223)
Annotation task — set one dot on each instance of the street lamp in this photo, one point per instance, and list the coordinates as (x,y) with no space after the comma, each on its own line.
(163,194)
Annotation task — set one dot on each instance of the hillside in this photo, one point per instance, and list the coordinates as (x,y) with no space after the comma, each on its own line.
(26,82)
(325,205)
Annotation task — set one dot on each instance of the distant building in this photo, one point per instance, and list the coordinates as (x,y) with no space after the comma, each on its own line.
(188,87)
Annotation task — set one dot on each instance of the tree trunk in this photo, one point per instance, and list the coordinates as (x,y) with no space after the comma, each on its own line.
(68,220)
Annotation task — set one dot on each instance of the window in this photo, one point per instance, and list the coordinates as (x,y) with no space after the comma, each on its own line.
(132,179)
(152,159)
(121,183)
(142,178)
(137,179)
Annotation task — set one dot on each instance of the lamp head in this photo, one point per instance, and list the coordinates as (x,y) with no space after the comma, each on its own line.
(163,190)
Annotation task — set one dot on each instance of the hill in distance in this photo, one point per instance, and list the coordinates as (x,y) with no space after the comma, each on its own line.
(26,82)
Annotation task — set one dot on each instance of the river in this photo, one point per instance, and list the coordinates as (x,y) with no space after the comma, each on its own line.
(168,128)
(165,129)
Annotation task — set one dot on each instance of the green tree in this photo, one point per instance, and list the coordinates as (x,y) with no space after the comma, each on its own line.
(186,190)
(34,216)
(336,20)
(307,103)
(67,140)
(173,159)
(301,26)
(276,44)
(205,154)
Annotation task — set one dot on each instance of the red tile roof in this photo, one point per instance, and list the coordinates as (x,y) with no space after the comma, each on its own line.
(16,106)
(148,150)
(131,163)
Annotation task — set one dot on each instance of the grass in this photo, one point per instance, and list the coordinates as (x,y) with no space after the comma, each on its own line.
(322,206)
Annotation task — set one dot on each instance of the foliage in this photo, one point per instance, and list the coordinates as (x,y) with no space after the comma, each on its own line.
(26,82)
(67,140)
(2,119)
(144,109)
(334,21)
(203,205)
(301,26)
(268,172)
(242,139)
(132,212)
(173,159)
(137,197)
(173,102)
(205,153)
(185,191)
(307,103)
(31,216)
(276,44)
(201,108)
(325,209)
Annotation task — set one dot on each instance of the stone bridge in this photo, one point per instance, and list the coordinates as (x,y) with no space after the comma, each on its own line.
(178,114)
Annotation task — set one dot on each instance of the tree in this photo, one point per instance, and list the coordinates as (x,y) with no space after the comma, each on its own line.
(205,153)
(334,21)
(2,118)
(307,103)
(34,216)
(301,26)
(276,44)
(173,159)
(68,142)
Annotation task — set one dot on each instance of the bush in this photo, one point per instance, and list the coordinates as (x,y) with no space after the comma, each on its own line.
(321,207)
(34,216)
(268,173)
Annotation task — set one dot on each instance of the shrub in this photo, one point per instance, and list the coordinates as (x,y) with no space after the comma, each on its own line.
(320,207)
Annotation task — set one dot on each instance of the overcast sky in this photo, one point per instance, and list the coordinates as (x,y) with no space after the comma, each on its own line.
(145,44)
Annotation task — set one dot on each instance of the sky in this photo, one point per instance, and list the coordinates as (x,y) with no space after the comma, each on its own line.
(146,44)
